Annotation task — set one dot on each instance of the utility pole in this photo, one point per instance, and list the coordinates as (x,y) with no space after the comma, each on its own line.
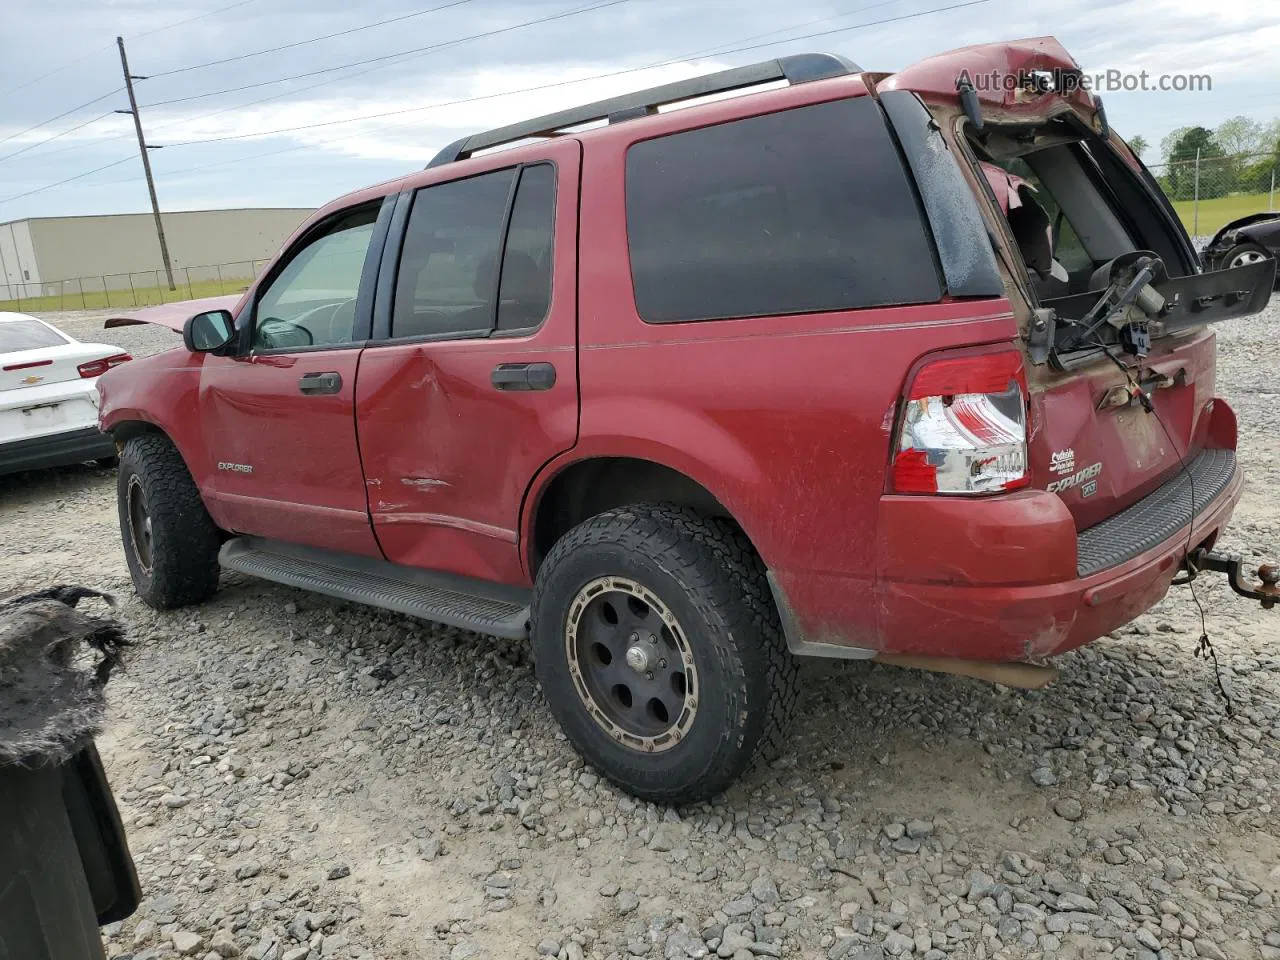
(146,161)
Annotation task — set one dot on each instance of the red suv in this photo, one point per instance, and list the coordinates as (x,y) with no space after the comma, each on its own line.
(911,367)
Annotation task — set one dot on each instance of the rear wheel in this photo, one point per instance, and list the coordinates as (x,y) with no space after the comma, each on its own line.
(170,542)
(655,654)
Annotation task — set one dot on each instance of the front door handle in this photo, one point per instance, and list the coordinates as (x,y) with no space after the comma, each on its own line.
(313,383)
(524,376)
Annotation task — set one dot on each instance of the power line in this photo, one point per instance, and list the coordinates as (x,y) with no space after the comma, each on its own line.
(45,123)
(295,92)
(245,56)
(709,52)
(78,176)
(56,136)
(66,66)
(183,23)
(562,83)
(300,43)
(71,63)
(416,51)
(565,83)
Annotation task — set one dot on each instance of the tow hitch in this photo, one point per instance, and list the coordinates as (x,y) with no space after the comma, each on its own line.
(1266,591)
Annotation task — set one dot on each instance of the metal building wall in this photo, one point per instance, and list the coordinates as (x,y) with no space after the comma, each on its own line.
(70,247)
(17,259)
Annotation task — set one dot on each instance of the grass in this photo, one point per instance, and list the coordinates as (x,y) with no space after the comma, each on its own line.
(1219,211)
(71,297)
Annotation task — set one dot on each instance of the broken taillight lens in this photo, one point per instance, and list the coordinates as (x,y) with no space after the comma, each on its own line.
(964,427)
(96,368)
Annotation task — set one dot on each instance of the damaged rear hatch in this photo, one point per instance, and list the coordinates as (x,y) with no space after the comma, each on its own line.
(1114,307)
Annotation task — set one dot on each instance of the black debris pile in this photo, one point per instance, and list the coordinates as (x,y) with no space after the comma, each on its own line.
(55,661)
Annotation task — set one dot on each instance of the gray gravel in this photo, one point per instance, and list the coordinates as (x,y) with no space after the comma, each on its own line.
(302,779)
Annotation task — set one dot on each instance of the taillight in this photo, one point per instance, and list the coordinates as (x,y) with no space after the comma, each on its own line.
(964,427)
(96,368)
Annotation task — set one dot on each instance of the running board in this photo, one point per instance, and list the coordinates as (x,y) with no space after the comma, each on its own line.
(457,601)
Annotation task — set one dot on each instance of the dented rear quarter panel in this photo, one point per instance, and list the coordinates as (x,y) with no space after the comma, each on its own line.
(786,420)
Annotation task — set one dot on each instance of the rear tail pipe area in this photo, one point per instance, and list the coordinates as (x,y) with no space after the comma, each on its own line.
(1024,676)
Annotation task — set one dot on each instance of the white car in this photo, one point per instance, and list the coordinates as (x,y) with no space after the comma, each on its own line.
(48,395)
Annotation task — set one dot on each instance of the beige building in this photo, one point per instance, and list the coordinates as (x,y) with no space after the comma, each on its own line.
(119,250)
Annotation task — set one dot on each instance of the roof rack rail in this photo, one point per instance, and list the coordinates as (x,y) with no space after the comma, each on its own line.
(800,68)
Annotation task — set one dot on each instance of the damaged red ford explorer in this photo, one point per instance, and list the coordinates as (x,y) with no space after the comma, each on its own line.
(851,364)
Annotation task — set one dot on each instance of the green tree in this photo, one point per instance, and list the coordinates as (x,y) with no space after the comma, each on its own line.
(1196,143)
(1138,144)
(1240,135)
(1170,140)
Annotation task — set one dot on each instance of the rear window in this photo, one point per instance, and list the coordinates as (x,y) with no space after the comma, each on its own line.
(27,335)
(801,211)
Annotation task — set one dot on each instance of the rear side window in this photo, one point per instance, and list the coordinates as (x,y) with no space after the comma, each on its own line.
(801,211)
(476,257)
(524,292)
(28,335)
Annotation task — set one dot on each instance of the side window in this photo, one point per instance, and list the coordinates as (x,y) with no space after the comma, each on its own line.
(450,281)
(800,211)
(524,292)
(312,301)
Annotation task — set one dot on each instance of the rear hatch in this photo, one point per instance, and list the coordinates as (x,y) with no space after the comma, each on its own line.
(1098,448)
(1120,394)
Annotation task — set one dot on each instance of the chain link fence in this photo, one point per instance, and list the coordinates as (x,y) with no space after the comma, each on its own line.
(1211,191)
(140,288)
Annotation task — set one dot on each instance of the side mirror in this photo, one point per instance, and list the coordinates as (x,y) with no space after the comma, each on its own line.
(208,332)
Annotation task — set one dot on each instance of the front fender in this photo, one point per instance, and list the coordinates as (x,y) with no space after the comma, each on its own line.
(162,392)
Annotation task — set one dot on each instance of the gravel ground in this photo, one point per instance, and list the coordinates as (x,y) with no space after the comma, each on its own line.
(302,779)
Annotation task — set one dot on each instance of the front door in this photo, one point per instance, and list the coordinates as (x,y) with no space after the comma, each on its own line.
(279,414)
(475,386)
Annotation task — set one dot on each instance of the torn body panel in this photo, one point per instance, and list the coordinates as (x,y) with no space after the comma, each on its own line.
(175,315)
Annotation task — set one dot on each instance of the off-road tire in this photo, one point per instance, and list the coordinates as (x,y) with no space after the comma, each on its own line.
(183,540)
(711,579)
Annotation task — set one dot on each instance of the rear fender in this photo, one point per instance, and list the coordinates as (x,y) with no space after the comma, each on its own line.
(665,435)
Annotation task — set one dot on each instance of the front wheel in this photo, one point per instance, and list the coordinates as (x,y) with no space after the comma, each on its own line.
(1244,254)
(170,542)
(659,652)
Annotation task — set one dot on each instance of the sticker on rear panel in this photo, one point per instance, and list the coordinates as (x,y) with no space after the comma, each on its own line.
(1063,461)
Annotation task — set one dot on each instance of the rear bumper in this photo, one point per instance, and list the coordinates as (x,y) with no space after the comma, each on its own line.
(1006,579)
(57,449)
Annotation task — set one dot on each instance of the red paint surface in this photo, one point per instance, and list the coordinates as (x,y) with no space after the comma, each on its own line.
(447,456)
(787,421)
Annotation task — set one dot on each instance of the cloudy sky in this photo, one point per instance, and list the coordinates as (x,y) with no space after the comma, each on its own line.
(377,102)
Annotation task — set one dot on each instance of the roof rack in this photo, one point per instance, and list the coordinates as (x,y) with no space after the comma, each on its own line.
(800,68)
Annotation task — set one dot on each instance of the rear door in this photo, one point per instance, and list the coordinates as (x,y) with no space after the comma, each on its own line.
(471,384)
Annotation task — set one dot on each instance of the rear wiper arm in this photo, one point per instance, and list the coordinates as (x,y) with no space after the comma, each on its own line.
(1112,304)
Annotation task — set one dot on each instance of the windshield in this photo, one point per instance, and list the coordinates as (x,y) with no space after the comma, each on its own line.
(28,335)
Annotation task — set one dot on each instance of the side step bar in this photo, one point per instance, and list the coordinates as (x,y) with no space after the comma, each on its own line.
(457,601)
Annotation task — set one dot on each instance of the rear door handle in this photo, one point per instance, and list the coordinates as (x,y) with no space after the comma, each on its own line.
(313,383)
(524,376)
